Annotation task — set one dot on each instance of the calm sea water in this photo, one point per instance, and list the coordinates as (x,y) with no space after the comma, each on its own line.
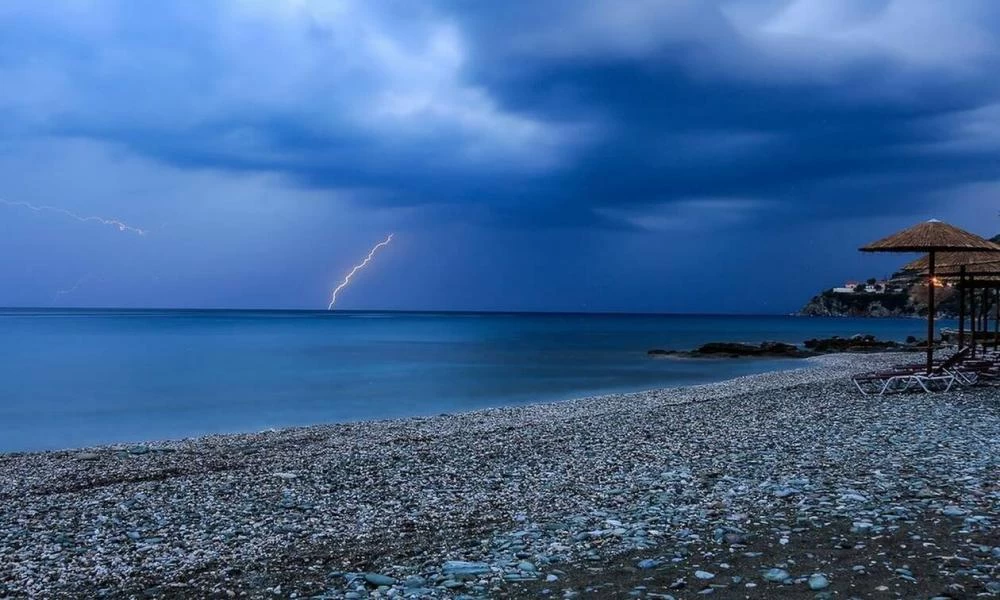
(76,378)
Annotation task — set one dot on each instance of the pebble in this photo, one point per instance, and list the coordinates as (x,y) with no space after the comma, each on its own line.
(465,568)
(818,582)
(776,575)
(379,579)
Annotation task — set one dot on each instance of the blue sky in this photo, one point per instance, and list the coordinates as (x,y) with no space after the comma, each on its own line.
(687,156)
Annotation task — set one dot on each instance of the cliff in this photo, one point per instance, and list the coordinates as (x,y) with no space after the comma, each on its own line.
(910,303)
(831,304)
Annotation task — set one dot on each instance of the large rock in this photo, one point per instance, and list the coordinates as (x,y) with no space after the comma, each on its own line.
(729,349)
(737,350)
(732,349)
(857,343)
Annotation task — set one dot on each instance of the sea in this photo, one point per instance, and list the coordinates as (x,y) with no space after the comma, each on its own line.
(75,378)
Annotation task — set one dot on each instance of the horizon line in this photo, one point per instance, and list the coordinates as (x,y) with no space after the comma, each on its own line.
(318,311)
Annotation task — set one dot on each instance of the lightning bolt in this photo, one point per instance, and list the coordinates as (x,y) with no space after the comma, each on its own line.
(113,222)
(59,293)
(357,267)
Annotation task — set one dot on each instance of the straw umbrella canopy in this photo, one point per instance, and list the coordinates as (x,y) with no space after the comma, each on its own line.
(972,260)
(963,268)
(932,237)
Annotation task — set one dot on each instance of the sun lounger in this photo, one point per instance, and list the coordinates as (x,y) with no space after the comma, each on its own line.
(915,377)
(903,381)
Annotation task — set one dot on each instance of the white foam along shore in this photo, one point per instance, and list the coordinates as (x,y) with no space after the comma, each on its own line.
(514,491)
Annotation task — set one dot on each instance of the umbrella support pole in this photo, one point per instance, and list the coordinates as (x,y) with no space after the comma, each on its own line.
(961,309)
(996,321)
(930,313)
(972,314)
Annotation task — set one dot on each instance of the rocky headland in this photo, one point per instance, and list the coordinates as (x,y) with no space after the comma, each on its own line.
(909,301)
(832,304)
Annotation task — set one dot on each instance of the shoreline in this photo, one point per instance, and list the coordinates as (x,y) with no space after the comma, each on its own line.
(154,444)
(521,494)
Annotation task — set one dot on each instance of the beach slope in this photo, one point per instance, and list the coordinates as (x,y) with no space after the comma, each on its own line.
(787,481)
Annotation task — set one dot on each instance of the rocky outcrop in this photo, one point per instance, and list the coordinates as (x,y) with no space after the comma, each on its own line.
(738,350)
(856,343)
(910,303)
(831,304)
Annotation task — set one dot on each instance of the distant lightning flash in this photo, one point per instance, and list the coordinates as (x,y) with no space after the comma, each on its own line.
(358,267)
(113,222)
(60,293)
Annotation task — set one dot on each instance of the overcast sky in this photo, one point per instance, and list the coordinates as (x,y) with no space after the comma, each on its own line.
(684,156)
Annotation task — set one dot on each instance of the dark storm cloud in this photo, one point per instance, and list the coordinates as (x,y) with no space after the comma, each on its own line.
(707,113)
(537,114)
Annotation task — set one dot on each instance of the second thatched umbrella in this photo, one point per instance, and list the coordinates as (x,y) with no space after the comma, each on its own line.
(954,260)
(932,237)
(960,264)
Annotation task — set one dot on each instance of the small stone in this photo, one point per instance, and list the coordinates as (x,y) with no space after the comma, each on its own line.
(648,563)
(861,527)
(286,476)
(704,575)
(87,456)
(776,575)
(461,567)
(379,579)
(954,511)
(734,538)
(526,566)
(550,578)
(785,492)
(818,582)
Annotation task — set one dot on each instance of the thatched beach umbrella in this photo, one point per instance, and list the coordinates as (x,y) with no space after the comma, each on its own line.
(982,260)
(986,283)
(963,266)
(932,237)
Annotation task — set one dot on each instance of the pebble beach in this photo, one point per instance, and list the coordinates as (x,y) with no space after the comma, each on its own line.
(784,484)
